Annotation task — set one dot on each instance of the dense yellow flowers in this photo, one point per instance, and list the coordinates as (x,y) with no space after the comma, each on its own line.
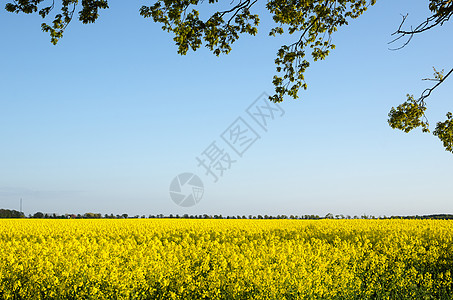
(226,259)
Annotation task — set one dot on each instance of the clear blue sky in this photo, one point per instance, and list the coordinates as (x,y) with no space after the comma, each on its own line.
(105,120)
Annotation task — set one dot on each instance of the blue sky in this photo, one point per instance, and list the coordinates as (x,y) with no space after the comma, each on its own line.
(105,120)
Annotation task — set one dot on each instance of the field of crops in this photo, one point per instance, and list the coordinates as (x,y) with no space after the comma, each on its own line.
(226,259)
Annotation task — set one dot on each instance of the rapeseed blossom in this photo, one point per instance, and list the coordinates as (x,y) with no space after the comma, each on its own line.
(226,259)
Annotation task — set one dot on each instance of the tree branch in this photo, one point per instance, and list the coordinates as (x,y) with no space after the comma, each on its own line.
(428,91)
(442,13)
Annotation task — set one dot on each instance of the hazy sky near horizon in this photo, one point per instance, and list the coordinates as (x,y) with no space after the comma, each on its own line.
(106,119)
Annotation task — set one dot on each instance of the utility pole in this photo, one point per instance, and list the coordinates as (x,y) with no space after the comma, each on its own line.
(20,204)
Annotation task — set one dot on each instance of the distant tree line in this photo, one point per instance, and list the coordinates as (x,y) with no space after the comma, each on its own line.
(7,213)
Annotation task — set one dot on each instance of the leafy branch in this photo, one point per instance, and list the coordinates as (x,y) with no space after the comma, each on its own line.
(315,21)
(88,14)
(411,114)
(219,31)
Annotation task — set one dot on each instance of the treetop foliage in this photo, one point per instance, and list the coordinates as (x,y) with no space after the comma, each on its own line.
(313,22)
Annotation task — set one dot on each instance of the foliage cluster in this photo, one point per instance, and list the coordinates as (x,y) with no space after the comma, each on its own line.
(312,21)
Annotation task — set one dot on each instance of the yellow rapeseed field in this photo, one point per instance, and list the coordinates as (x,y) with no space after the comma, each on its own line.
(226,259)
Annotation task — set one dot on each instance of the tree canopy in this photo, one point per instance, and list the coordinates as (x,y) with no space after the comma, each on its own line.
(312,22)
